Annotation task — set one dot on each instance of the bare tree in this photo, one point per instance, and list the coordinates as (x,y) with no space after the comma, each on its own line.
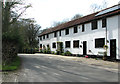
(104,4)
(76,16)
(56,23)
(95,7)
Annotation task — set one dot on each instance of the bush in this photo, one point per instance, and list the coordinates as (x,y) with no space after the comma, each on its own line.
(56,53)
(29,50)
(41,51)
(48,51)
(15,64)
(67,53)
(44,49)
(36,50)
(53,52)
(63,54)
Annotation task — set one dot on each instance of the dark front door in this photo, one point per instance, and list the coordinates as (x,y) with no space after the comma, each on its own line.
(113,48)
(84,48)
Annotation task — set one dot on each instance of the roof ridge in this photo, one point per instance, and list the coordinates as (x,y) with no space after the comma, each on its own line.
(75,22)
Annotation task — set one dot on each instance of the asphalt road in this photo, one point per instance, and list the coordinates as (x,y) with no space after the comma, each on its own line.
(40,68)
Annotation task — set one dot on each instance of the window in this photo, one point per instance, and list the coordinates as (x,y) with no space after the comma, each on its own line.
(54,45)
(60,32)
(94,24)
(55,34)
(44,37)
(75,29)
(47,35)
(76,44)
(40,38)
(67,44)
(83,28)
(99,43)
(66,31)
(40,45)
(104,22)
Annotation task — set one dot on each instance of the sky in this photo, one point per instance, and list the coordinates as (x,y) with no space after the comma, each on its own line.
(45,12)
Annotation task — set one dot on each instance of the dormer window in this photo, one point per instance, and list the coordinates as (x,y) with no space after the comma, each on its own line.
(47,35)
(60,32)
(44,37)
(75,29)
(104,22)
(40,38)
(94,24)
(83,28)
(55,34)
(66,31)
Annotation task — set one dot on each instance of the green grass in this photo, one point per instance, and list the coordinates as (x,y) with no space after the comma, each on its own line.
(13,66)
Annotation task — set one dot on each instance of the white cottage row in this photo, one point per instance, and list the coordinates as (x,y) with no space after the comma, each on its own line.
(87,35)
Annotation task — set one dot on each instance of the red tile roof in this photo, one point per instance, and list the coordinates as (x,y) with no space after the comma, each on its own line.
(81,20)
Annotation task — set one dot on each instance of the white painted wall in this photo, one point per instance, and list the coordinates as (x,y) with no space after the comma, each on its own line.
(88,35)
(118,37)
(113,31)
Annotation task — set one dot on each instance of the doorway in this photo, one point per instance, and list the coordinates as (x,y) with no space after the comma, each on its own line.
(113,48)
(84,48)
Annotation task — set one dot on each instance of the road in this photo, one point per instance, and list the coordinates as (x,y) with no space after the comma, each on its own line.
(44,68)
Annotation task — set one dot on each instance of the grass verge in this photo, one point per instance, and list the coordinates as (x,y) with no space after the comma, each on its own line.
(14,65)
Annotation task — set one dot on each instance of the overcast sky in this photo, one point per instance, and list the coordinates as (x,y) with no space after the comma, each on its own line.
(46,12)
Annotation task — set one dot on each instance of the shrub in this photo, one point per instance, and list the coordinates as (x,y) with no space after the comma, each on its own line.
(41,51)
(56,53)
(53,52)
(48,51)
(44,49)
(36,50)
(67,53)
(63,54)
(15,64)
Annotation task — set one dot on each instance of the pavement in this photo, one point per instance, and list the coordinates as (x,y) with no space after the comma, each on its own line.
(56,68)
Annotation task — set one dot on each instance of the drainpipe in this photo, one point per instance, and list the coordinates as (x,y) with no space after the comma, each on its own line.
(57,39)
(106,39)
(106,33)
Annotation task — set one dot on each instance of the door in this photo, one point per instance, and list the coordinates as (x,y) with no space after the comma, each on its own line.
(113,48)
(84,48)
